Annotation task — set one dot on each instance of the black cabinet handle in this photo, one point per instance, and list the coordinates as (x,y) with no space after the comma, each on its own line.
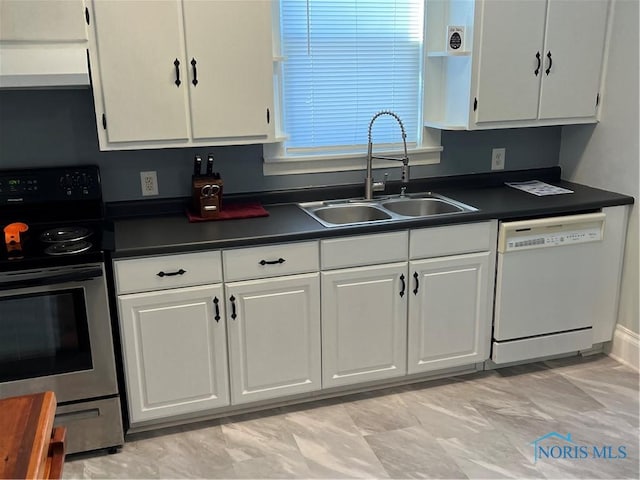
(272,262)
(195,72)
(171,274)
(415,277)
(177,65)
(537,71)
(217,307)
(404,285)
(232,299)
(550,62)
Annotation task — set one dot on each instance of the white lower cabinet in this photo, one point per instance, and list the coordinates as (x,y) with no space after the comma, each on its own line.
(294,318)
(274,337)
(449,311)
(364,324)
(175,351)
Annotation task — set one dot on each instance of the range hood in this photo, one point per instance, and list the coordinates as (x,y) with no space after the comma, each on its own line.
(30,66)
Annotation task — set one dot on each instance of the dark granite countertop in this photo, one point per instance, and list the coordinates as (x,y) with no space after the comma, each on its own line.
(152,234)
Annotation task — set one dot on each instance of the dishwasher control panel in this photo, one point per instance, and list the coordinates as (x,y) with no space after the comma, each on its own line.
(549,232)
(521,240)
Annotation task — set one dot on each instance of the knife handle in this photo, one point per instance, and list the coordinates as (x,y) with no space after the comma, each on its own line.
(197,163)
(210,165)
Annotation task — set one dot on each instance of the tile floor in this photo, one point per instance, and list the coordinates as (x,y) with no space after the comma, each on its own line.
(475,426)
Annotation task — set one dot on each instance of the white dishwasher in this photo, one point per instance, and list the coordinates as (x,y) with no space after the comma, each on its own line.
(548,286)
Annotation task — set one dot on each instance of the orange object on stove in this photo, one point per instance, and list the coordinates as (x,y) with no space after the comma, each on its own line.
(12,232)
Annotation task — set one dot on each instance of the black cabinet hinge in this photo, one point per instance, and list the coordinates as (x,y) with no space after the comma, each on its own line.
(104,121)
(475,104)
(86,15)
(597,100)
(89,69)
(268,116)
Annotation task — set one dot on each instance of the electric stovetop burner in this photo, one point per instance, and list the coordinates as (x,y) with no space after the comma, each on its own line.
(68,248)
(65,234)
(63,210)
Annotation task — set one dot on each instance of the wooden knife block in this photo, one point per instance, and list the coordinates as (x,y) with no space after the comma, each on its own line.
(207,196)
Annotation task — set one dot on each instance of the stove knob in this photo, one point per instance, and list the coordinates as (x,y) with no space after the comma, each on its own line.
(65,181)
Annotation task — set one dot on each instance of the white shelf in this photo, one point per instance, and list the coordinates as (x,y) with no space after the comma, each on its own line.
(464,53)
(443,125)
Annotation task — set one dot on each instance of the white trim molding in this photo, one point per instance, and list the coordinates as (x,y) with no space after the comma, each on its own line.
(625,347)
(344,162)
(277,162)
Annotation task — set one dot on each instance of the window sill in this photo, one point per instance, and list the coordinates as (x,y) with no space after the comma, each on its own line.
(344,162)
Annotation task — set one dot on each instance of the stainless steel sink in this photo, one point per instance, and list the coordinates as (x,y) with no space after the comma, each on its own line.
(350,213)
(421,207)
(387,209)
(332,214)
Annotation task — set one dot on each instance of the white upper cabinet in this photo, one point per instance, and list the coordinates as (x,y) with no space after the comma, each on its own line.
(42,20)
(508,87)
(524,63)
(230,51)
(178,73)
(573,52)
(43,43)
(139,63)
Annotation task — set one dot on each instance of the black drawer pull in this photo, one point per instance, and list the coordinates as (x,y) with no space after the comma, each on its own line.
(272,262)
(415,277)
(217,307)
(548,70)
(404,285)
(195,72)
(537,70)
(232,299)
(171,274)
(177,65)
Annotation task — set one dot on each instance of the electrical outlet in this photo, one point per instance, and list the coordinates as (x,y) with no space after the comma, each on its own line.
(149,183)
(497,158)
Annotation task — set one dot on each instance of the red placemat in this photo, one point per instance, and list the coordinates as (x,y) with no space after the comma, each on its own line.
(229,212)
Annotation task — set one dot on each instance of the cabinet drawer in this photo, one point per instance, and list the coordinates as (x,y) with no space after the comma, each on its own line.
(167,271)
(364,250)
(270,261)
(452,239)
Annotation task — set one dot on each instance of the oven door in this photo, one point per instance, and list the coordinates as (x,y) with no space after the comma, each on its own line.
(55,333)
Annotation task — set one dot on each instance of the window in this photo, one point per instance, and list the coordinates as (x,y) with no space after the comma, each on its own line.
(342,62)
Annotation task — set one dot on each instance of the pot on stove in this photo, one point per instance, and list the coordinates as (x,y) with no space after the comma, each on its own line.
(13,233)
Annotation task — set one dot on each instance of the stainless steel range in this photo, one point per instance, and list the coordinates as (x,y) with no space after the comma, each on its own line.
(55,328)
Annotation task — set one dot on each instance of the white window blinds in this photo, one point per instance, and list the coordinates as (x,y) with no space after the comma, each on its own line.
(345,60)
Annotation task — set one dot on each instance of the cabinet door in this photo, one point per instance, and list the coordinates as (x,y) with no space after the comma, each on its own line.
(511,34)
(575,40)
(364,324)
(274,337)
(42,20)
(174,349)
(449,315)
(137,43)
(230,41)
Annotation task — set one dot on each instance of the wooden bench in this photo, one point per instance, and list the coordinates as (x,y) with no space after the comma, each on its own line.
(30,446)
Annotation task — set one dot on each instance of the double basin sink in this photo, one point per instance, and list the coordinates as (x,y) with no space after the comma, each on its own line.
(338,213)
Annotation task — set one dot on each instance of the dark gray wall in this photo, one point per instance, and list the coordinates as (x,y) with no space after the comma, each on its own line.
(57,127)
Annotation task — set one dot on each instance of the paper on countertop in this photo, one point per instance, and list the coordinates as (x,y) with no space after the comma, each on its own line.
(536,187)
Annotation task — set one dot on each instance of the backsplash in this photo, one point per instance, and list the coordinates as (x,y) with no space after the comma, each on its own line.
(42,128)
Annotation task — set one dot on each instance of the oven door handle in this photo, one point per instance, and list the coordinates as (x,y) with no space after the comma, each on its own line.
(56,279)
